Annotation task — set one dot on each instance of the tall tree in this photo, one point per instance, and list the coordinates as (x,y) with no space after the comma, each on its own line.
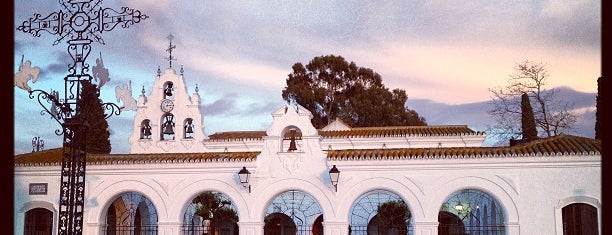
(330,88)
(92,111)
(553,115)
(598,105)
(528,125)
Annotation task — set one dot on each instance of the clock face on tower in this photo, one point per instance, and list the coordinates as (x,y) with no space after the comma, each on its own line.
(167,105)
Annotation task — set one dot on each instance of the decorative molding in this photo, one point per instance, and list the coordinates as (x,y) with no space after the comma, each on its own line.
(291,161)
(145,144)
(510,180)
(188,143)
(166,145)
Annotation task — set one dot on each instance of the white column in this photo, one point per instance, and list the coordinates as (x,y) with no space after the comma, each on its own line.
(251,228)
(19,224)
(425,228)
(335,228)
(512,228)
(92,228)
(169,228)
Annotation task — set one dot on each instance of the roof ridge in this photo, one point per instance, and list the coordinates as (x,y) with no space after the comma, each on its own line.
(400,127)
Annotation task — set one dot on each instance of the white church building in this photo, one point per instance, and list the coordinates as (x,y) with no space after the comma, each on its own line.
(293,178)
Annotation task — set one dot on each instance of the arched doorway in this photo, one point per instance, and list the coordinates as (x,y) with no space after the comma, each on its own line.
(293,212)
(131,213)
(471,211)
(580,219)
(38,221)
(210,213)
(380,212)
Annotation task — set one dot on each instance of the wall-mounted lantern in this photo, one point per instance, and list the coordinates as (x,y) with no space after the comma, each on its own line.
(334,174)
(245,176)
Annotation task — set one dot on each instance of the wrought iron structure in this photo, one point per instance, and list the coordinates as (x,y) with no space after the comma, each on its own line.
(80,22)
(131,213)
(293,212)
(365,217)
(37,144)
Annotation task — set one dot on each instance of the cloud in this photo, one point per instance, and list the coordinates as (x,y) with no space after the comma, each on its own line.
(221,106)
(240,53)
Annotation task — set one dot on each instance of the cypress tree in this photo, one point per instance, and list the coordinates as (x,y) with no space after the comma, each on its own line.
(90,109)
(528,124)
(598,113)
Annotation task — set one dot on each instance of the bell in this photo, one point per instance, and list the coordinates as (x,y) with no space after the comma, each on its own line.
(147,131)
(169,90)
(168,130)
(292,146)
(189,129)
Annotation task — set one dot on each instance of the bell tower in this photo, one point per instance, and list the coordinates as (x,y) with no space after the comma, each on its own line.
(168,119)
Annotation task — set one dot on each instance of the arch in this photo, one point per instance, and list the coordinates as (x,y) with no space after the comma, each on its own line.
(188,127)
(301,209)
(38,221)
(168,126)
(31,205)
(131,212)
(189,190)
(501,192)
(145,129)
(564,202)
(405,191)
(210,212)
(580,218)
(379,211)
(37,204)
(271,190)
(291,139)
(477,211)
(167,91)
(106,194)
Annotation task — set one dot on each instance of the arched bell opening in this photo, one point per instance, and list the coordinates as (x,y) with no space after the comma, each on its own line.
(167,127)
(292,139)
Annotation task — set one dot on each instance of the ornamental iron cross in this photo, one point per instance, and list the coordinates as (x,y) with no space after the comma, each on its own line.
(81,22)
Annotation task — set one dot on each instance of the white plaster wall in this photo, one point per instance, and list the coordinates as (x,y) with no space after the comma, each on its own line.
(532,191)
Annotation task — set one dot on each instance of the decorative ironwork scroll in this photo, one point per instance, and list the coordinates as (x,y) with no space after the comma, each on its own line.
(80,22)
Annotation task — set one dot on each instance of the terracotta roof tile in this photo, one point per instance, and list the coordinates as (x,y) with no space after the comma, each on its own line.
(398,131)
(360,132)
(237,135)
(561,144)
(53,157)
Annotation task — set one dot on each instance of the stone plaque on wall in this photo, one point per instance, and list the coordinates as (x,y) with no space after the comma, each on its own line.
(38,189)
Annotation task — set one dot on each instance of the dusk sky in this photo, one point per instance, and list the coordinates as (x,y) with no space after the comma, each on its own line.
(239,53)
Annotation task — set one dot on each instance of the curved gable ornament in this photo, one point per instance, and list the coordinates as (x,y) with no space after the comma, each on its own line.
(291,115)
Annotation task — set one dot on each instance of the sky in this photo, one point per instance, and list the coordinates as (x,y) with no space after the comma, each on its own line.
(446,55)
